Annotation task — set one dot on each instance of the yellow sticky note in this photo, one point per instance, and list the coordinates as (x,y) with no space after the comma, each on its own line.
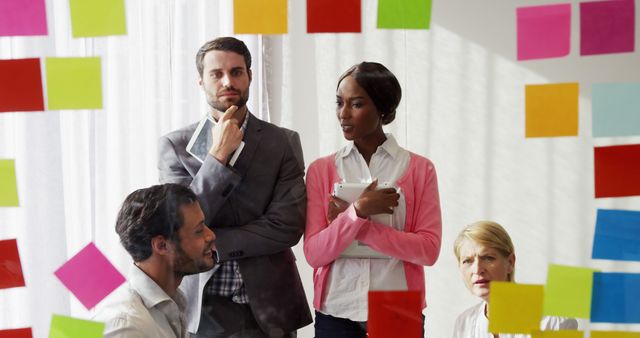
(8,186)
(260,16)
(551,110)
(557,334)
(515,308)
(74,83)
(568,291)
(97,18)
(68,327)
(614,334)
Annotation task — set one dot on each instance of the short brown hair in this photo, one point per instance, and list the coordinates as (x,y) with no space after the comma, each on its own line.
(227,44)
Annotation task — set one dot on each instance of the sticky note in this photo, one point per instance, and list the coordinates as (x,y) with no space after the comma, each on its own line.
(97,18)
(16,333)
(615,298)
(8,185)
(617,235)
(551,110)
(10,266)
(404,14)
(515,308)
(544,31)
(614,334)
(557,334)
(394,314)
(20,85)
(615,109)
(74,83)
(89,276)
(333,16)
(607,27)
(68,327)
(568,291)
(23,18)
(260,16)
(616,170)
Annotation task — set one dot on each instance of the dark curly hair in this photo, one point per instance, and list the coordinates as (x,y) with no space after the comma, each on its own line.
(380,84)
(226,44)
(147,213)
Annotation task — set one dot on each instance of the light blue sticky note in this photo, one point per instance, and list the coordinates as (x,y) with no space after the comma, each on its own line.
(617,235)
(616,109)
(615,298)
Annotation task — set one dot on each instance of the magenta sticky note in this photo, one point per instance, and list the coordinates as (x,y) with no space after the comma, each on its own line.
(544,31)
(22,17)
(89,276)
(607,27)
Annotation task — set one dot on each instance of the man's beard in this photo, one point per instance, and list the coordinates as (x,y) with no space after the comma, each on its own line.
(222,107)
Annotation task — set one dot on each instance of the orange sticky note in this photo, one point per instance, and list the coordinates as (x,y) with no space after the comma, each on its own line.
(551,110)
(395,314)
(515,308)
(260,16)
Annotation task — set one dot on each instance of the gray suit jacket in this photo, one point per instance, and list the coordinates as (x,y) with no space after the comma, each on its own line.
(257,211)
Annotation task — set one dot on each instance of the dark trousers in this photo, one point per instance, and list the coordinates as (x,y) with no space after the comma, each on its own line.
(327,326)
(223,318)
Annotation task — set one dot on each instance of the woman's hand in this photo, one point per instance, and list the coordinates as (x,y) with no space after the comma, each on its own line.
(336,206)
(373,202)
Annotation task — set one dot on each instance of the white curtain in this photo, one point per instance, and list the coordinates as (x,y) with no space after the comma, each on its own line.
(462,106)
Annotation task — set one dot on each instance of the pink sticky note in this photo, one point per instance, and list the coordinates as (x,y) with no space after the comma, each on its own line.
(607,27)
(544,31)
(22,17)
(89,276)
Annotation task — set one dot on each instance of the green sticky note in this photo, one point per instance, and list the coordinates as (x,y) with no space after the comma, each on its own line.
(8,186)
(67,327)
(515,308)
(74,83)
(404,14)
(568,291)
(97,18)
(557,334)
(614,334)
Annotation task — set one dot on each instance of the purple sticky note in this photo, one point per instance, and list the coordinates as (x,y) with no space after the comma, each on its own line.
(89,276)
(22,17)
(607,27)
(544,31)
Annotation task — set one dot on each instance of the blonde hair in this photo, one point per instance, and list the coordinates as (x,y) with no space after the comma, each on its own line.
(490,234)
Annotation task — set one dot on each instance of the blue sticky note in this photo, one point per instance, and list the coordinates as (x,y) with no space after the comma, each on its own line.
(615,298)
(615,109)
(617,235)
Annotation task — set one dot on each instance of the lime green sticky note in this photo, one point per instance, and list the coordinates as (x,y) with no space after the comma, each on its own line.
(568,291)
(551,110)
(557,334)
(260,16)
(515,308)
(8,186)
(67,327)
(97,18)
(74,83)
(614,334)
(404,14)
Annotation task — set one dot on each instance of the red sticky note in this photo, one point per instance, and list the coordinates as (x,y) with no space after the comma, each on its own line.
(89,276)
(333,16)
(20,85)
(616,170)
(16,333)
(544,31)
(395,314)
(10,267)
(22,18)
(607,27)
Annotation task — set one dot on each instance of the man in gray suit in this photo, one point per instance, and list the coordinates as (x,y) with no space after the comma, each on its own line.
(257,205)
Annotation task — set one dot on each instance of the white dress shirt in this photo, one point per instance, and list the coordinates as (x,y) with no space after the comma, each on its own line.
(143,310)
(350,279)
(472,323)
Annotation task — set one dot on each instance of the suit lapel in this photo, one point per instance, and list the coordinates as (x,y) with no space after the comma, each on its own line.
(251,139)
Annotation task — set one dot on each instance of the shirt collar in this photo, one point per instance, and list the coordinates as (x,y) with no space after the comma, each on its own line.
(390,146)
(243,127)
(150,292)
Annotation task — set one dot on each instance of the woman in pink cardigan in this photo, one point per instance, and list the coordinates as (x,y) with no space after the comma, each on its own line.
(396,230)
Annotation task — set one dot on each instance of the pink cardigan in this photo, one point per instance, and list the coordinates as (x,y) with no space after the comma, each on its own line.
(417,245)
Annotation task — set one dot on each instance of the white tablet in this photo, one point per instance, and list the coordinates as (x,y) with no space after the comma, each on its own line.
(350,193)
(200,141)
